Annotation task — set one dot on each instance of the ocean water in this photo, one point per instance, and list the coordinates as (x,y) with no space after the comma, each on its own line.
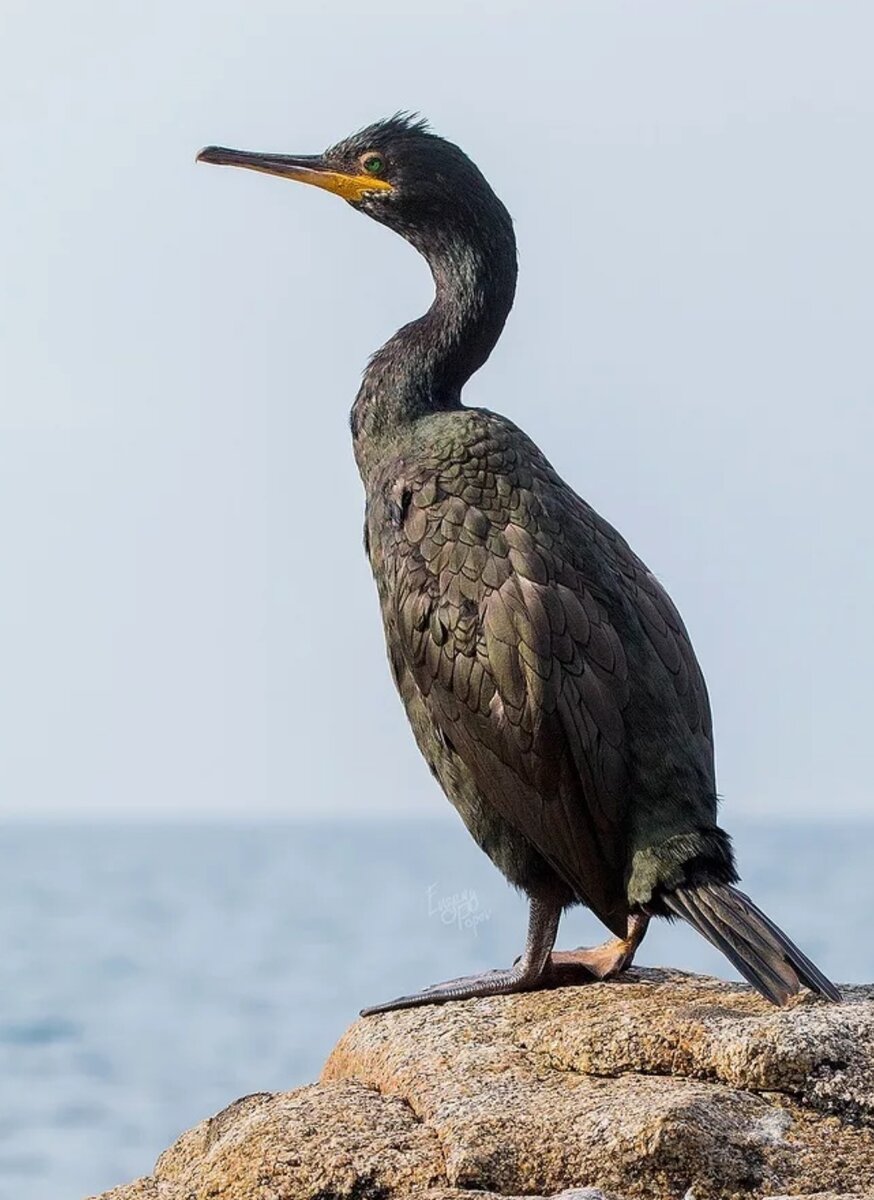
(151,974)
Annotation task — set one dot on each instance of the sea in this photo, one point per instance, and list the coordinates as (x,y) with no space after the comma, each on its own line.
(150,974)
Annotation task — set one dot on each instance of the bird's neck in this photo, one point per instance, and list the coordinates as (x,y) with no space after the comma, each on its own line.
(424,366)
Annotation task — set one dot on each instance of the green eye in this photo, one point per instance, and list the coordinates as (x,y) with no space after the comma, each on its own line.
(372,164)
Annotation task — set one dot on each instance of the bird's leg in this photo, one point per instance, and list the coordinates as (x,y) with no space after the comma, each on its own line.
(526,973)
(567,967)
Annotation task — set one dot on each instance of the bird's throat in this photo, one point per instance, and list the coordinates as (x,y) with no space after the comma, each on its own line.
(424,366)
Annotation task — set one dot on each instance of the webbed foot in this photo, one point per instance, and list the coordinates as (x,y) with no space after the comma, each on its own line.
(525,974)
(490,983)
(593,963)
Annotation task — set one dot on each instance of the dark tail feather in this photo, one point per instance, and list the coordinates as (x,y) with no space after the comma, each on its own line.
(751,941)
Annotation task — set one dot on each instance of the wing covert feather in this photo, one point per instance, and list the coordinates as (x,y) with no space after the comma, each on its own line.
(487,596)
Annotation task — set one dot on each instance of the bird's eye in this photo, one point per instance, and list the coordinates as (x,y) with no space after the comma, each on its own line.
(373,164)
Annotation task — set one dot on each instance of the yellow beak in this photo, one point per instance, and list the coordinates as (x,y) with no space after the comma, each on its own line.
(303,168)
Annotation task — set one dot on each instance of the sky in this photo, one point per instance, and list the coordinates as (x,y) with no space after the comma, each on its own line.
(187,622)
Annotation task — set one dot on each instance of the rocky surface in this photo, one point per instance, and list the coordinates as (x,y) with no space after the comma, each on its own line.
(661,1086)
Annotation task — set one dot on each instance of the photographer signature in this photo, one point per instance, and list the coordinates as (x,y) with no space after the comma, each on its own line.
(461,908)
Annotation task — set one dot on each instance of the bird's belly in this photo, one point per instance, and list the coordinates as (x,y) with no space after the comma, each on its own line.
(514,856)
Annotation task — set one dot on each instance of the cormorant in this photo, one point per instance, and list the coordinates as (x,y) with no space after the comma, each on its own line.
(548,678)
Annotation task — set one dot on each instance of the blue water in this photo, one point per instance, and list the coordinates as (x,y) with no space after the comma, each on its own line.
(151,974)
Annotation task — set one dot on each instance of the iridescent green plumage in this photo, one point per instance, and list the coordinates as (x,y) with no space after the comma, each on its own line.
(549,680)
(541,664)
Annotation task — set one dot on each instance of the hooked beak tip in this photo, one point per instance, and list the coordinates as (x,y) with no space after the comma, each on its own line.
(306,168)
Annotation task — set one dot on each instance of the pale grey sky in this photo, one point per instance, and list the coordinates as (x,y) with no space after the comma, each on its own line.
(187,623)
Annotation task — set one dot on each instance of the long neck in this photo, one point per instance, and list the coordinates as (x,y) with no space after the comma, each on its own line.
(424,366)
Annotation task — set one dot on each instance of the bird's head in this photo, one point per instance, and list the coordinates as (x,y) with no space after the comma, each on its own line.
(395,171)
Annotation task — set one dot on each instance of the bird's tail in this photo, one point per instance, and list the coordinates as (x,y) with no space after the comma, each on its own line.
(751,941)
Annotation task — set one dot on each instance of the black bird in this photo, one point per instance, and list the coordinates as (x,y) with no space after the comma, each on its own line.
(549,680)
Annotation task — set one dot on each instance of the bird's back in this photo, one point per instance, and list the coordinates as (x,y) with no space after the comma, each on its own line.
(546,655)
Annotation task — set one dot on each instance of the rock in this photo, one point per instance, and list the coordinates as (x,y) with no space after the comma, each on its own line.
(661,1086)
